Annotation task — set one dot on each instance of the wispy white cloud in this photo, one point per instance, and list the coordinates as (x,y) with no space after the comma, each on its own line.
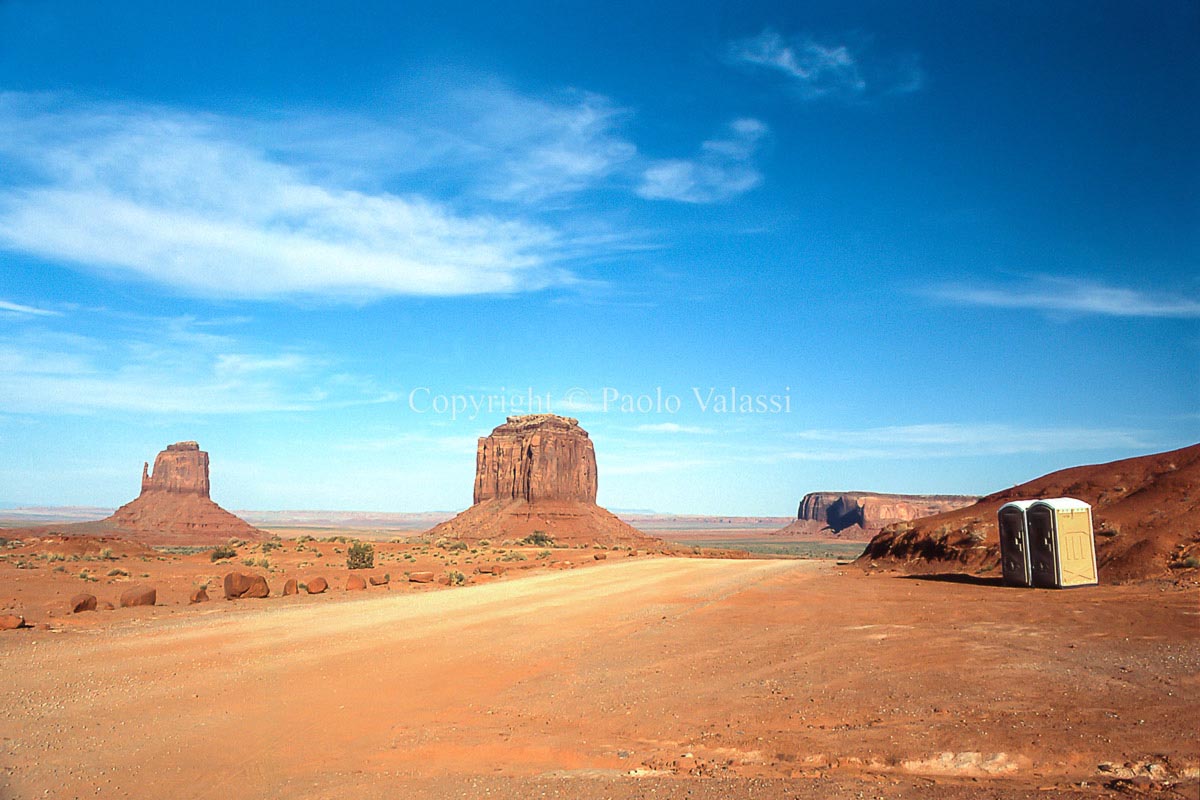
(818,69)
(168,369)
(540,149)
(177,199)
(672,427)
(724,169)
(1055,295)
(948,440)
(17,308)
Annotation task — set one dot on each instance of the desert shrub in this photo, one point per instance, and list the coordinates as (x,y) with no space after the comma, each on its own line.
(456,578)
(60,568)
(543,554)
(271,544)
(1191,562)
(264,563)
(484,543)
(56,557)
(222,551)
(513,556)
(538,539)
(106,554)
(117,571)
(360,556)
(305,538)
(457,546)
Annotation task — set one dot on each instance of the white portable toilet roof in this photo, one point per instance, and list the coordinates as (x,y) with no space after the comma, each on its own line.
(1063,503)
(1021,504)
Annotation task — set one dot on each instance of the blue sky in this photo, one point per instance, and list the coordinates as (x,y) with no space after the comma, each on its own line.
(941,247)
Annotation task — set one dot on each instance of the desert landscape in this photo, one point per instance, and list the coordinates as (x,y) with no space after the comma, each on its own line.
(700,400)
(587,662)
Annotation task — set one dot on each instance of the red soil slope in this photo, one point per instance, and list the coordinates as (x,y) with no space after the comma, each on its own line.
(1146,513)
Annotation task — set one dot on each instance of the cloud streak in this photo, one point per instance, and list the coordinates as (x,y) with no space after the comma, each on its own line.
(951,440)
(1054,295)
(816,70)
(172,370)
(173,199)
(16,308)
(724,168)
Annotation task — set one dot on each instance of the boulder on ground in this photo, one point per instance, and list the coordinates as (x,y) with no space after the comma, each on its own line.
(242,585)
(139,596)
(317,586)
(420,577)
(82,602)
(107,606)
(355,583)
(379,580)
(290,587)
(600,556)
(10,622)
(199,595)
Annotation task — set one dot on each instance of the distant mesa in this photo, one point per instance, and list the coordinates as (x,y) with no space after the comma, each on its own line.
(173,508)
(538,473)
(870,511)
(1145,513)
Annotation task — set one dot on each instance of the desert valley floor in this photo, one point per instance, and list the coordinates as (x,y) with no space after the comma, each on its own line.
(647,677)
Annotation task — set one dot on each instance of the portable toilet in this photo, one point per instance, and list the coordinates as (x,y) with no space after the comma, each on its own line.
(1014,542)
(1062,550)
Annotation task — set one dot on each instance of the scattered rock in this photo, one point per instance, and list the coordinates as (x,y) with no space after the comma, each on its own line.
(380,580)
(10,622)
(443,579)
(290,587)
(107,606)
(139,596)
(420,577)
(199,595)
(82,602)
(317,586)
(241,585)
(355,583)
(600,556)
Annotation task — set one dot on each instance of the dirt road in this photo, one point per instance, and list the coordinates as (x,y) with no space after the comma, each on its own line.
(660,677)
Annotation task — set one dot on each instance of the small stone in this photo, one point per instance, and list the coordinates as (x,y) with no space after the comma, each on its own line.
(82,602)
(139,596)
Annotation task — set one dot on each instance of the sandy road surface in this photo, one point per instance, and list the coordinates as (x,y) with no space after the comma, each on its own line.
(707,678)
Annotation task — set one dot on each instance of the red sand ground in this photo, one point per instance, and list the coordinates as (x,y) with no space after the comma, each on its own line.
(637,677)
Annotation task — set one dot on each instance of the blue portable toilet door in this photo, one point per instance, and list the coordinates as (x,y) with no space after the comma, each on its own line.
(1014,553)
(1043,555)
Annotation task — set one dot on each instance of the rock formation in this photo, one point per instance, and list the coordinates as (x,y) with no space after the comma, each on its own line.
(1144,511)
(173,508)
(539,457)
(841,510)
(537,473)
(180,469)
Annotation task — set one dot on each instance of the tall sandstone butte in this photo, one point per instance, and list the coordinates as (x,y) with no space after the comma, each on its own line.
(538,473)
(182,468)
(174,506)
